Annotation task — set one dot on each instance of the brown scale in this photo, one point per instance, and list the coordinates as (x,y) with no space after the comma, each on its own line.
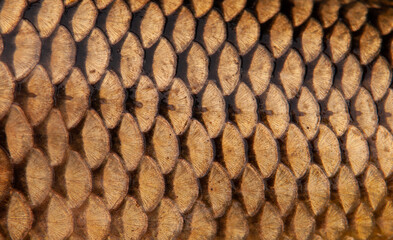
(233,150)
(117,21)
(265,150)
(184,185)
(280,35)
(234,223)
(101,4)
(327,149)
(55,221)
(93,219)
(322,77)
(170,6)
(74,180)
(356,15)
(275,110)
(375,186)
(62,51)
(36,97)
(19,134)
(311,39)
(386,110)
(266,9)
(231,8)
(145,103)
(197,67)
(151,186)
(164,146)
(83,19)
(247,32)
(348,192)
(246,115)
(368,44)
(93,140)
(179,108)
(351,76)
(365,112)
(7,89)
(379,79)
(152,25)
(252,190)
(129,142)
(73,98)
(385,22)
(165,222)
(164,64)
(199,119)
(214,32)
(5,175)
(97,55)
(19,217)
(218,190)
(328,12)
(228,69)
(381,150)
(337,113)
(297,153)
(131,60)
(301,11)
(184,30)
(111,97)
(10,14)
(361,222)
(260,70)
(317,190)
(334,223)
(26,45)
(284,190)
(383,219)
(47,16)
(270,224)
(112,181)
(38,177)
(201,7)
(309,113)
(339,41)
(199,223)
(212,108)
(129,221)
(302,222)
(198,148)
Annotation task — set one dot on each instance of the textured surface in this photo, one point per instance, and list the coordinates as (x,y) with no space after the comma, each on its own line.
(202,119)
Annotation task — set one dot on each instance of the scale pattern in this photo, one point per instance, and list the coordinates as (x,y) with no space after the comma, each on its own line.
(202,119)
